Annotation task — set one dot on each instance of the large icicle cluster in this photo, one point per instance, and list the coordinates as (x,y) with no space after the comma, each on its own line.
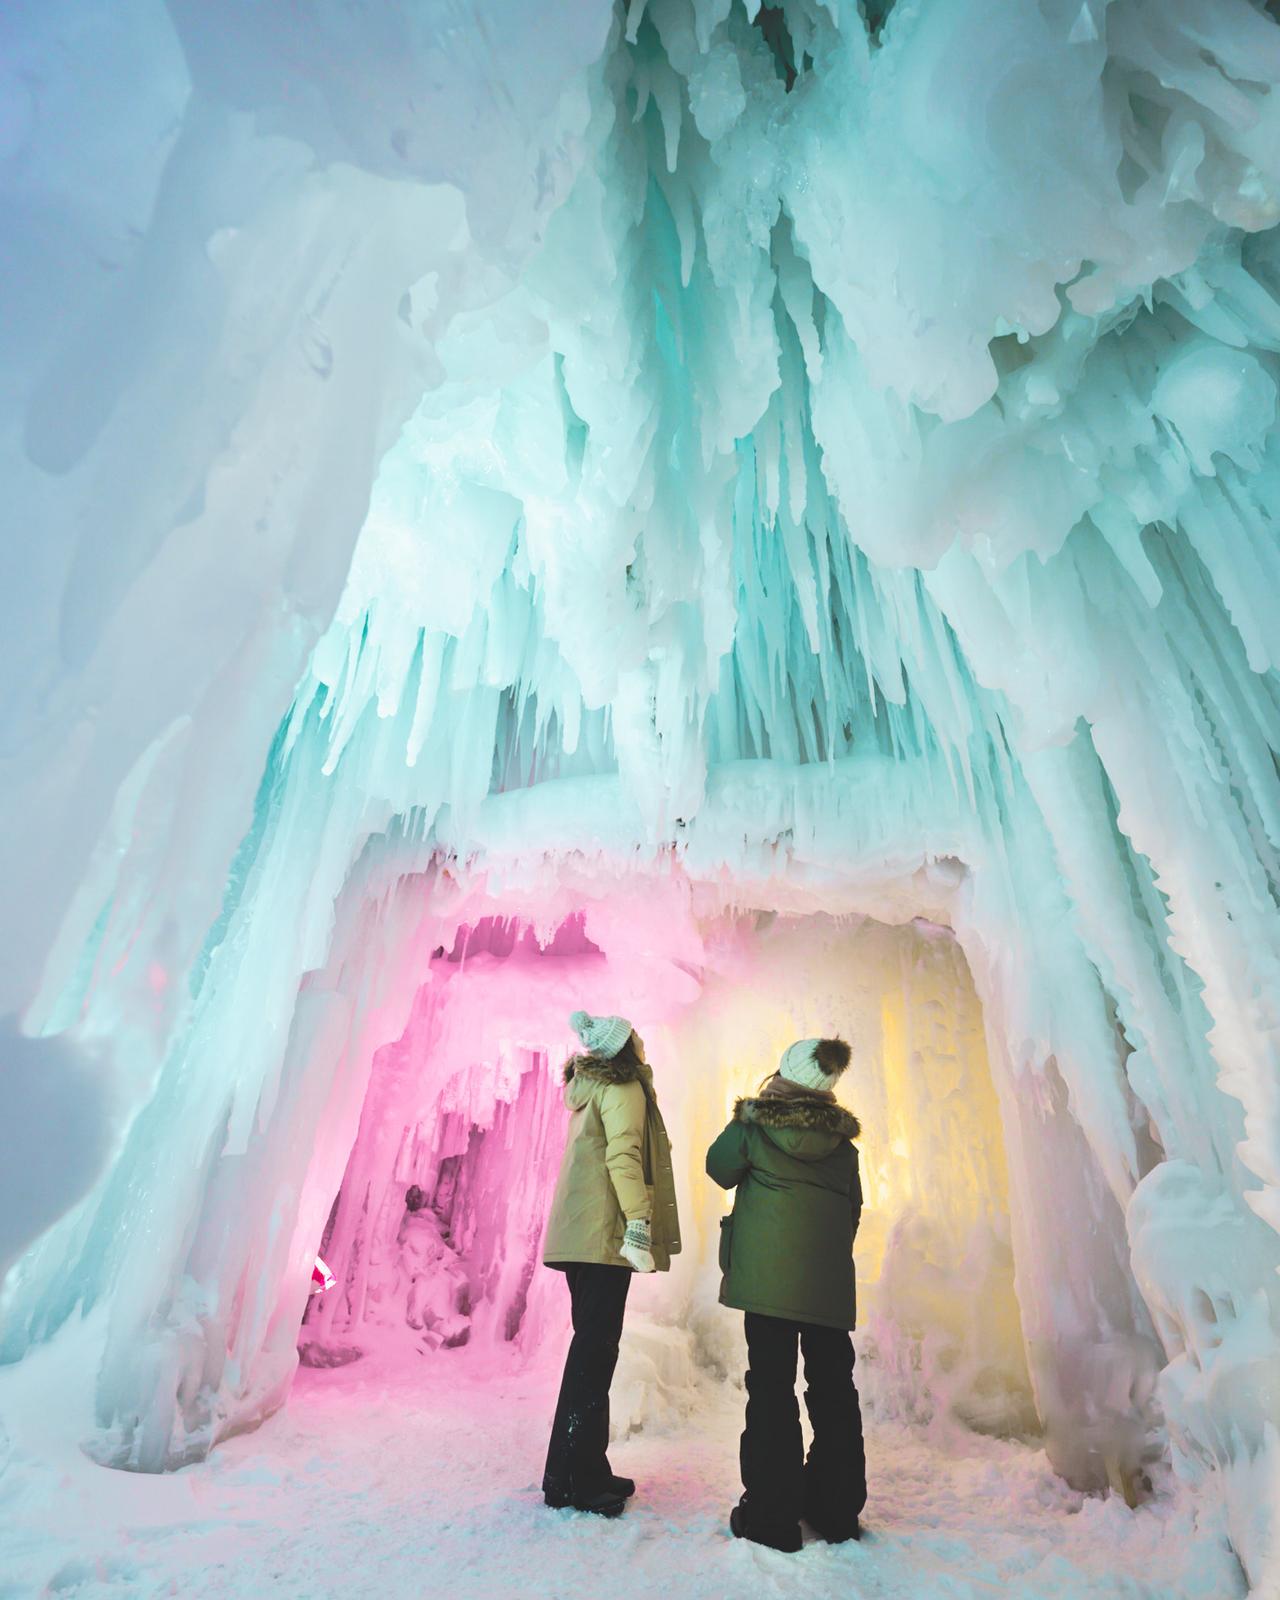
(841,476)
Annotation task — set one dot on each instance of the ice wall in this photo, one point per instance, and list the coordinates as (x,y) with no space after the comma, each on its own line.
(465,1106)
(230,246)
(820,467)
(468,1109)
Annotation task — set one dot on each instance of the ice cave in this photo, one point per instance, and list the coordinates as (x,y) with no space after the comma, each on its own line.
(758,516)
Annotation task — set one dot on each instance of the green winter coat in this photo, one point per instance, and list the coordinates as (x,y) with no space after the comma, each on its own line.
(787,1249)
(616,1167)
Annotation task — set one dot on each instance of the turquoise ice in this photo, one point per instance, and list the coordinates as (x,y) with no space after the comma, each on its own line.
(820,455)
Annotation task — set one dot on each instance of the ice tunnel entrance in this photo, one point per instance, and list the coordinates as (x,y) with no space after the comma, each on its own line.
(435,1234)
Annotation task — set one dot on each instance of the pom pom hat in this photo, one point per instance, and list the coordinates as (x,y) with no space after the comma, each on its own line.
(602,1036)
(814,1063)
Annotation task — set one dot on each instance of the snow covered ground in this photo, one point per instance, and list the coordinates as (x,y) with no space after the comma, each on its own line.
(388,1479)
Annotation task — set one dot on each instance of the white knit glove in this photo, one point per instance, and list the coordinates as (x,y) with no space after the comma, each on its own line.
(637,1246)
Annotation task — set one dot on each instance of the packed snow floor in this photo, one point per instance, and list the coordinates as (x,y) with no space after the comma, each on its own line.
(394,1479)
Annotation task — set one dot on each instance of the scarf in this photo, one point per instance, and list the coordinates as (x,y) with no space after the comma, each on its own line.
(779,1088)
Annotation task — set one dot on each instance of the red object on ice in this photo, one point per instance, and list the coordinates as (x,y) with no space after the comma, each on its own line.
(321,1277)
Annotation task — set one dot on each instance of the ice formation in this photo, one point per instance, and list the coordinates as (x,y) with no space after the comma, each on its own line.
(746,514)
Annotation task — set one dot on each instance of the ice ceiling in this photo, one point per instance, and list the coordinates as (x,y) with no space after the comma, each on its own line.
(662,467)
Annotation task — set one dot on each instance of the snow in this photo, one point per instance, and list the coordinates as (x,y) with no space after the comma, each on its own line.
(658,474)
(397,1477)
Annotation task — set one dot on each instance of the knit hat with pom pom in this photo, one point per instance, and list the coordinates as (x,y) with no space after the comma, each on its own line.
(602,1036)
(814,1063)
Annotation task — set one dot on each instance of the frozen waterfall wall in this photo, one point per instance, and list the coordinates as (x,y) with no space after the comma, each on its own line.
(529,464)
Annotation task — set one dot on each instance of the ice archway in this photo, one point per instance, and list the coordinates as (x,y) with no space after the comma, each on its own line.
(652,467)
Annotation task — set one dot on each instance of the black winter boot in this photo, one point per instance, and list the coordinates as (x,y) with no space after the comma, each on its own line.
(559,1498)
(604,1504)
(788,1540)
(835,1533)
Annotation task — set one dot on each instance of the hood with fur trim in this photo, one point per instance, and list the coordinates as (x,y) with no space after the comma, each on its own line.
(585,1074)
(601,1070)
(798,1114)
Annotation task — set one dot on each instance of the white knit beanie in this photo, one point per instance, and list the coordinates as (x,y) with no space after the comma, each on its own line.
(602,1036)
(800,1063)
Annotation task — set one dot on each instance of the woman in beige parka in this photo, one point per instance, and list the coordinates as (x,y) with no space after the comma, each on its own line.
(614,1213)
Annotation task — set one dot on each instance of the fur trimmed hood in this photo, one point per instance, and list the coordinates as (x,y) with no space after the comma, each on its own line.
(803,1113)
(601,1070)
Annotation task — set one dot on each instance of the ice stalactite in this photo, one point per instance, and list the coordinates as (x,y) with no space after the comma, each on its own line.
(219,321)
(473,1121)
(825,464)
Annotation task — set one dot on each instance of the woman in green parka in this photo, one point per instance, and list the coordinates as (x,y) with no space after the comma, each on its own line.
(614,1214)
(786,1255)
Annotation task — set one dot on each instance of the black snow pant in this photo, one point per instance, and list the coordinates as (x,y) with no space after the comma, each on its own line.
(577,1459)
(830,1488)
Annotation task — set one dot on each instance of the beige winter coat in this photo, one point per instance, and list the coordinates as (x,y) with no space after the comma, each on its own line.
(616,1167)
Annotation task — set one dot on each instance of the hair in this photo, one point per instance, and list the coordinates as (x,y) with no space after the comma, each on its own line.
(832,1055)
(628,1054)
(414,1199)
